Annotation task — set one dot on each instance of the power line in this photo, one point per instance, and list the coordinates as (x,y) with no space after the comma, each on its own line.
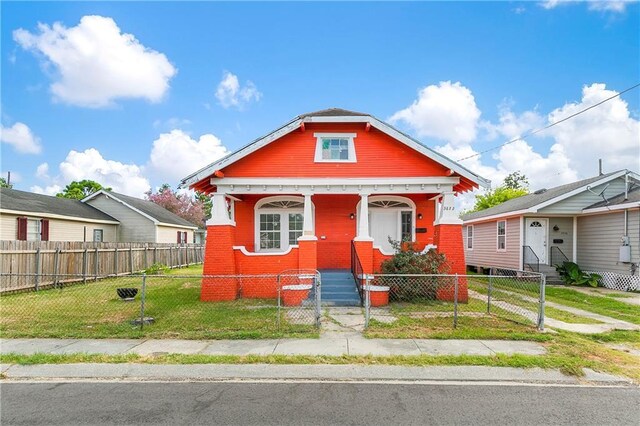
(533,132)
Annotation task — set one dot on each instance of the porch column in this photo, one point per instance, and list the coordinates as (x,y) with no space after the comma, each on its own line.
(363,242)
(448,239)
(308,242)
(574,243)
(219,211)
(219,258)
(363,219)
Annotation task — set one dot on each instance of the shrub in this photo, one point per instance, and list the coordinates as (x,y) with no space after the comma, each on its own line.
(407,260)
(571,274)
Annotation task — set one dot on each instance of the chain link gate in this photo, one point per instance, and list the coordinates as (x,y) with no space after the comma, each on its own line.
(300,297)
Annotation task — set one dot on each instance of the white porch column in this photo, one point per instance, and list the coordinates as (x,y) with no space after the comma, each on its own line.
(307,222)
(574,248)
(219,211)
(448,213)
(363,219)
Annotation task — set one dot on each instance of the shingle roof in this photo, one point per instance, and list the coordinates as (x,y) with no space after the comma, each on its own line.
(533,199)
(152,209)
(22,201)
(333,112)
(632,196)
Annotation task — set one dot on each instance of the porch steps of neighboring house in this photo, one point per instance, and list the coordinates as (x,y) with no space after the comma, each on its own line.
(338,288)
(552,275)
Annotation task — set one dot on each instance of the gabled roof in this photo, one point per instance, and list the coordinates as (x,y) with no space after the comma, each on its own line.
(333,115)
(24,202)
(542,198)
(151,210)
(632,196)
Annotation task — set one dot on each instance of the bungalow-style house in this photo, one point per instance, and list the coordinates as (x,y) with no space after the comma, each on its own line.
(326,183)
(142,220)
(594,222)
(36,217)
(101,217)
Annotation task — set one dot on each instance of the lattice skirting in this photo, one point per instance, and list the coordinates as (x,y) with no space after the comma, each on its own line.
(616,281)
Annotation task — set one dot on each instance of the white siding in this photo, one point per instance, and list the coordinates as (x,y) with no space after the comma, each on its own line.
(59,229)
(134,227)
(585,199)
(599,240)
(169,234)
(485,253)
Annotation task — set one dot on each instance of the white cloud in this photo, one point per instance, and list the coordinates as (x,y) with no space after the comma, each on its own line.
(512,125)
(48,190)
(607,131)
(21,138)
(175,154)
(446,111)
(230,94)
(89,164)
(42,171)
(96,63)
(614,6)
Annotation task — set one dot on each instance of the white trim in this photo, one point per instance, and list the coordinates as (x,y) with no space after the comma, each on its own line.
(521,251)
(498,249)
(466,242)
(386,253)
(535,208)
(424,185)
(57,216)
(574,247)
(110,195)
(350,147)
(547,248)
(171,225)
(295,124)
(412,208)
(579,190)
(244,251)
(284,220)
(606,209)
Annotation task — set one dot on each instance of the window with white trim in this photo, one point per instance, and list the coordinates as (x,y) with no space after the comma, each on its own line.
(279,223)
(335,148)
(98,235)
(501,228)
(34,231)
(470,237)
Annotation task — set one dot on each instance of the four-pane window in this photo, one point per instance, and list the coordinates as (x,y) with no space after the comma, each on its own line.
(335,149)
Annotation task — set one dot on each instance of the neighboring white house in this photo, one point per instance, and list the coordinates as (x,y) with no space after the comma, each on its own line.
(142,220)
(594,222)
(35,217)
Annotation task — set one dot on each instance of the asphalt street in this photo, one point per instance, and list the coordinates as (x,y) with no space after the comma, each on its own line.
(251,403)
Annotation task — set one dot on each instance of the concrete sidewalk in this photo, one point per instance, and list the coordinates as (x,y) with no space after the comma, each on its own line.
(301,373)
(332,346)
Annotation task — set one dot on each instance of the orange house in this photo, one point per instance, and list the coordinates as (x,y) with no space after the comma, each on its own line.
(303,195)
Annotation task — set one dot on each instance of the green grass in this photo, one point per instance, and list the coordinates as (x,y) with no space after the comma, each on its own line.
(600,305)
(94,310)
(568,317)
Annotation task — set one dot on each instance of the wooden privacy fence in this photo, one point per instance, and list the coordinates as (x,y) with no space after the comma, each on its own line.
(35,264)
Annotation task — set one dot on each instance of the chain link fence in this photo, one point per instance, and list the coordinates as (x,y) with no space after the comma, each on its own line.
(513,295)
(166,306)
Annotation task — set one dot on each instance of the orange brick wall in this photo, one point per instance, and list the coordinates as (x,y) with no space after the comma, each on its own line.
(448,238)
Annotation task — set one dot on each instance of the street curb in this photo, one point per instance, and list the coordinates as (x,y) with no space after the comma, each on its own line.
(278,372)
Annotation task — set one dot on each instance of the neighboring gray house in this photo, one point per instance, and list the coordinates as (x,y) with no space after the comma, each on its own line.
(142,220)
(594,222)
(25,216)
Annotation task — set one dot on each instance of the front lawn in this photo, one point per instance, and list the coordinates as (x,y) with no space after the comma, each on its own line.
(94,310)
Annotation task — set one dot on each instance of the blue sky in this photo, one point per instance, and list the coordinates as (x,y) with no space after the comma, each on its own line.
(194,80)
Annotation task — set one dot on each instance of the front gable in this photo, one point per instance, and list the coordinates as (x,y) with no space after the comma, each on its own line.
(376,150)
(294,155)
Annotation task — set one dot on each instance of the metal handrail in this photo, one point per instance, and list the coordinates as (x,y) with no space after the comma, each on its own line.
(560,255)
(356,271)
(530,259)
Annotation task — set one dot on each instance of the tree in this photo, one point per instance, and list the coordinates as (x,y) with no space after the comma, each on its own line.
(516,180)
(79,190)
(208,203)
(515,185)
(188,207)
(4,184)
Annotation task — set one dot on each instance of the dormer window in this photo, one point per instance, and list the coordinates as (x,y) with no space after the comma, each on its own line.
(335,148)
